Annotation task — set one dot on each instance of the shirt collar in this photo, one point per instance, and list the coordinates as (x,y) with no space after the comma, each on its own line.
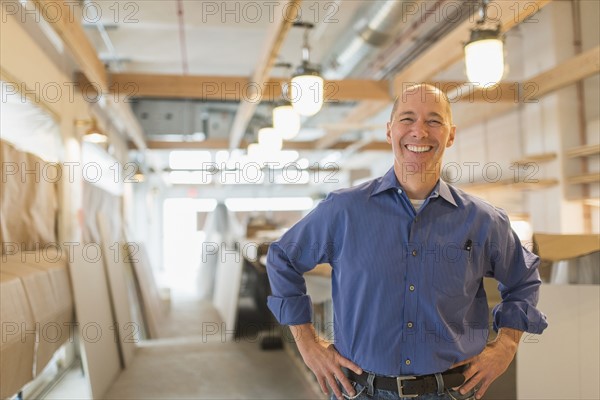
(389,181)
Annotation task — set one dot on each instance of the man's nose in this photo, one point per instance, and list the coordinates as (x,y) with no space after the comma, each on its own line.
(421,130)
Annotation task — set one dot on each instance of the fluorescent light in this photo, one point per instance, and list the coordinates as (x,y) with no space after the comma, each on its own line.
(190,177)
(189,159)
(269,204)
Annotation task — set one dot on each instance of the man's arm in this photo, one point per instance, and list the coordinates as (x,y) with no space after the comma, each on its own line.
(323,360)
(515,268)
(492,362)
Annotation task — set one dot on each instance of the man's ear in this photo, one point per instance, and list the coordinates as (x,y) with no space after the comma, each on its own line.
(451,136)
(388,133)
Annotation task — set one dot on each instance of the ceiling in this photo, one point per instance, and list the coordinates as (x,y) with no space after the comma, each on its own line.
(209,38)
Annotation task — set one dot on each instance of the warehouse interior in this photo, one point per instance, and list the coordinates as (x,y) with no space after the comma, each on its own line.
(140,187)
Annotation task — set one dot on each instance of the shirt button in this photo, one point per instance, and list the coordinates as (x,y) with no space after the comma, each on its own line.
(410,324)
(411,288)
(407,362)
(414,253)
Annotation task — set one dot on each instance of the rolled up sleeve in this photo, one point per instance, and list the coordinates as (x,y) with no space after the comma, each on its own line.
(298,251)
(516,270)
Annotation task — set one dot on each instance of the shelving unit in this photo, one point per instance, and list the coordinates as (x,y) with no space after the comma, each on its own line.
(583,151)
(536,158)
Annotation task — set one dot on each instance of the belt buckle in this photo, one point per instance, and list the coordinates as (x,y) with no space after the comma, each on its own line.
(399,381)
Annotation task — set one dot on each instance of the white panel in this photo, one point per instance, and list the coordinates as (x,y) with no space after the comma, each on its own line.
(562,363)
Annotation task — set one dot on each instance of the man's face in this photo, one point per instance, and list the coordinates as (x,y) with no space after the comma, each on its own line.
(420,131)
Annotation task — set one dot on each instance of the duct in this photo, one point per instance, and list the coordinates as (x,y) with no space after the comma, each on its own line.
(417,37)
(370,32)
(106,40)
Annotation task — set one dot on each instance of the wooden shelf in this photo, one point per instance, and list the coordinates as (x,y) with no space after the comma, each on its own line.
(536,158)
(510,184)
(592,177)
(583,151)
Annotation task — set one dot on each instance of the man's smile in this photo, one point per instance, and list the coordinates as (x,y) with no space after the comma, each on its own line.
(418,148)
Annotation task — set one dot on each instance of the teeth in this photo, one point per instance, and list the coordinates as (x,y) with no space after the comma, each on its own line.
(418,149)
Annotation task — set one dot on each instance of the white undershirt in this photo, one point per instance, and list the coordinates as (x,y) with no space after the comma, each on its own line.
(416,203)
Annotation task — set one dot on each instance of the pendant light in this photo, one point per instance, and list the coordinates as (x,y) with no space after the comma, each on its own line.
(306,88)
(270,140)
(286,120)
(484,52)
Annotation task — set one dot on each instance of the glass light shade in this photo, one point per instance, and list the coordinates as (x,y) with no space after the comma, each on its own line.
(484,61)
(269,139)
(286,121)
(306,94)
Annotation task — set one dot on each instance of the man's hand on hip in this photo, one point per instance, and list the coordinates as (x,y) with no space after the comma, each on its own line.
(323,360)
(488,365)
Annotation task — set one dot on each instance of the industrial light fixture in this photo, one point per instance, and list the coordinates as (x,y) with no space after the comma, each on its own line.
(286,121)
(306,88)
(270,140)
(484,52)
(92,134)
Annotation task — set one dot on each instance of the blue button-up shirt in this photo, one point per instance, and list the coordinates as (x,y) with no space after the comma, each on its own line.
(407,285)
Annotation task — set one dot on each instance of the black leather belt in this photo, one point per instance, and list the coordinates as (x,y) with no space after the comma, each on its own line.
(410,386)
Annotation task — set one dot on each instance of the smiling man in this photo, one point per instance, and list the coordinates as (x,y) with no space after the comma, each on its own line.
(408,254)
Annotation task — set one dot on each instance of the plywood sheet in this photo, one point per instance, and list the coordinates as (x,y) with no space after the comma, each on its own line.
(114,258)
(227,291)
(100,354)
(152,306)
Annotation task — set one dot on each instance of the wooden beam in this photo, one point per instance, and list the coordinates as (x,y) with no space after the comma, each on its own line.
(359,114)
(276,34)
(565,73)
(568,72)
(235,88)
(68,27)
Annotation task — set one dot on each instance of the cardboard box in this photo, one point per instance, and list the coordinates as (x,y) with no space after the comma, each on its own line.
(17,347)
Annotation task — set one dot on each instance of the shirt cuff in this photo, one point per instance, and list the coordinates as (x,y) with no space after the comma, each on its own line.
(520,316)
(291,310)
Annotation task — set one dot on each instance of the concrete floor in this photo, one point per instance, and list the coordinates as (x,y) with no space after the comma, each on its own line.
(192,361)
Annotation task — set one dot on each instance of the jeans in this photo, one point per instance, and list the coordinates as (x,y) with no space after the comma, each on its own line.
(361,394)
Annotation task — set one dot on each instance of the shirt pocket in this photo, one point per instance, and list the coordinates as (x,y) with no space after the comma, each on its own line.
(449,276)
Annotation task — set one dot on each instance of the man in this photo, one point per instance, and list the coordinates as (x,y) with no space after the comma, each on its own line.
(408,255)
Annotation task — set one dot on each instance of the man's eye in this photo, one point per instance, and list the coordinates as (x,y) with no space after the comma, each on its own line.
(434,123)
(407,120)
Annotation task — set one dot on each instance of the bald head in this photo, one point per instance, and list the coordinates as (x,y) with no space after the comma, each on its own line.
(426,91)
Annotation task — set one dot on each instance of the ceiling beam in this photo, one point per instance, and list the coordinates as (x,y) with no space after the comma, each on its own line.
(93,75)
(235,88)
(358,115)
(568,72)
(68,27)
(276,34)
